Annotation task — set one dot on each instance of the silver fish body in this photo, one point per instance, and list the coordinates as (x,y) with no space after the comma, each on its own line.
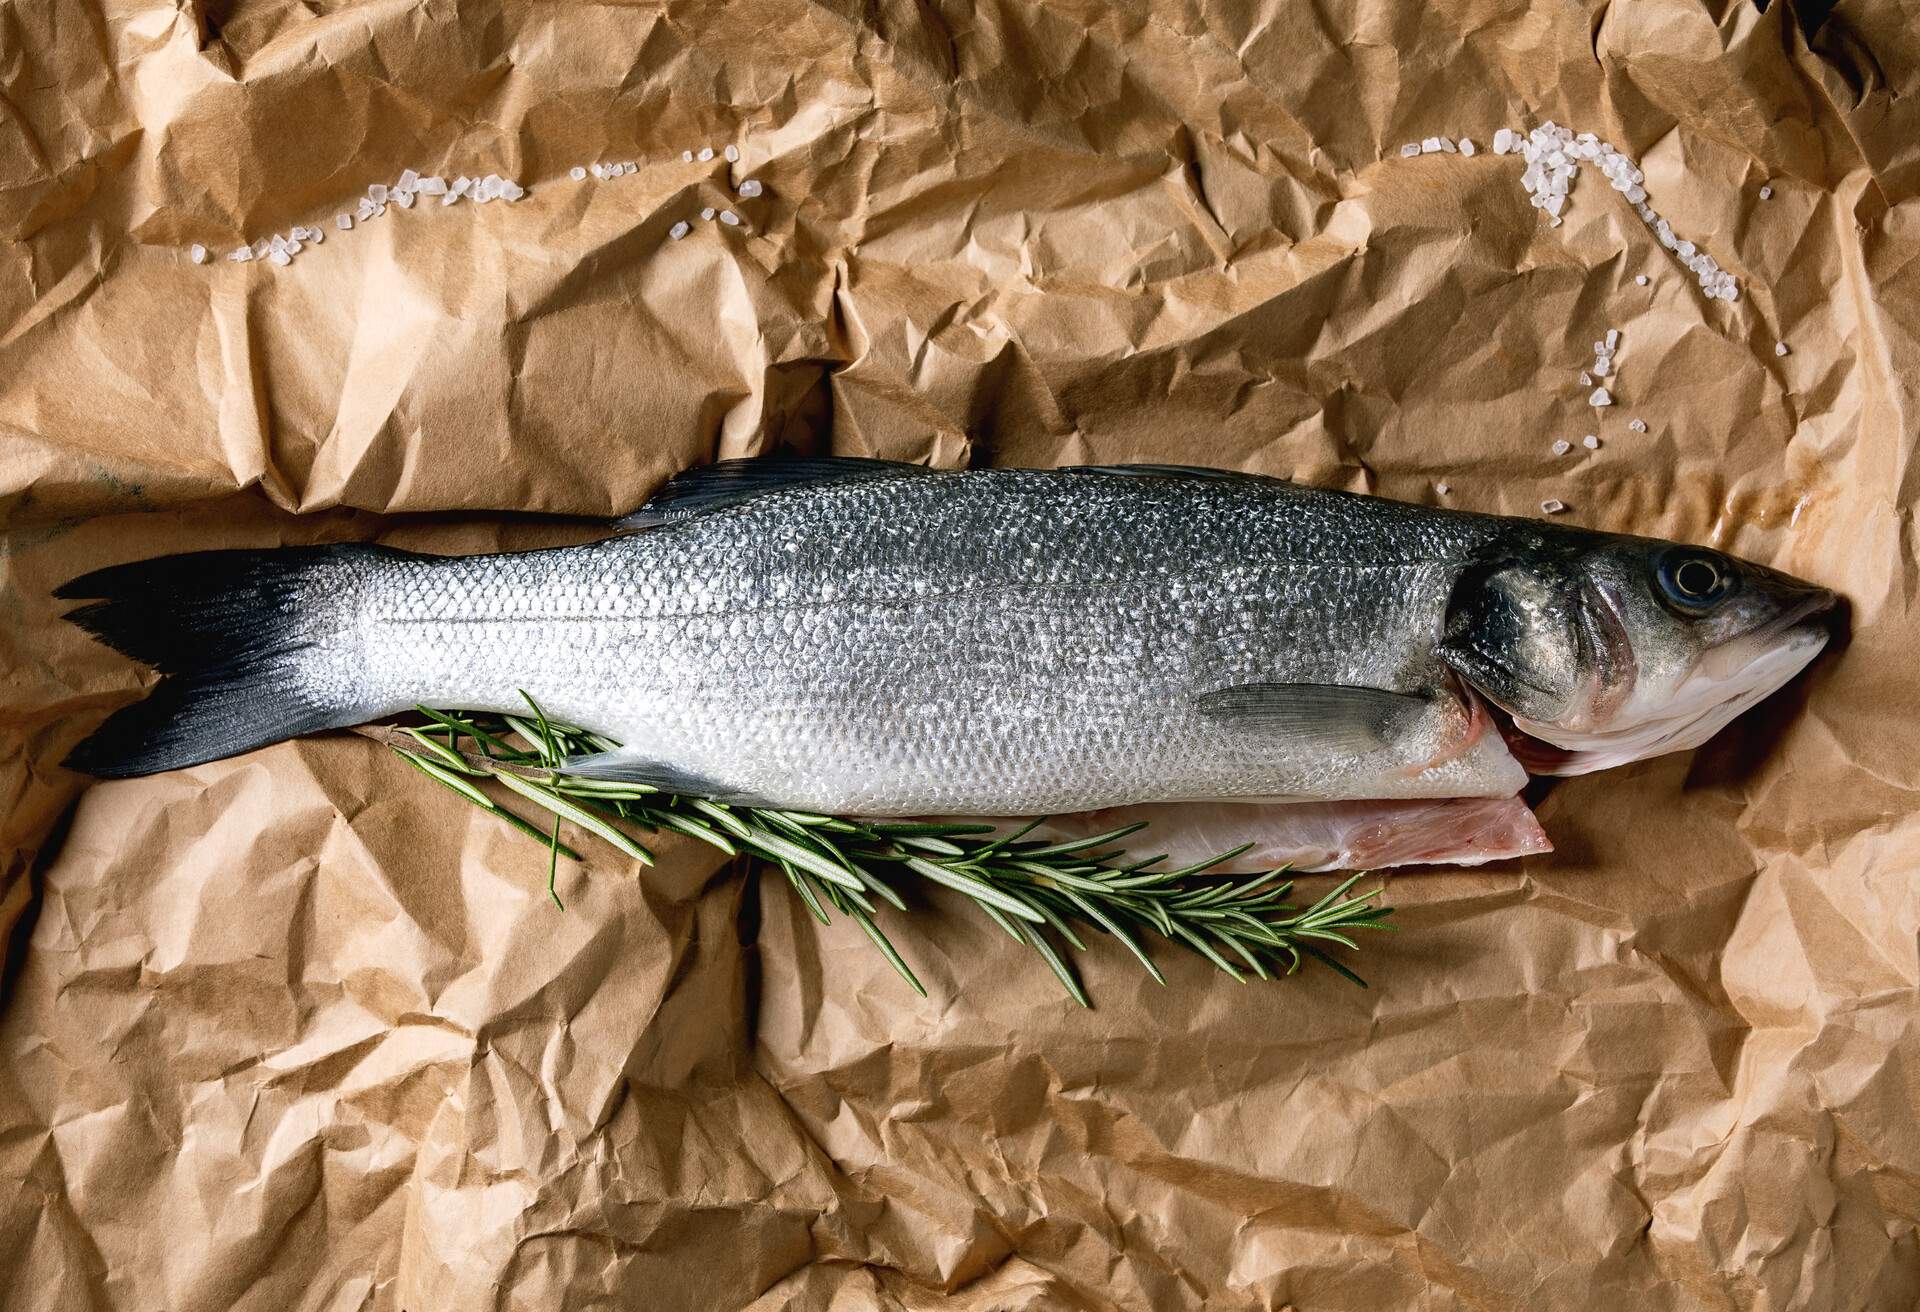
(892,641)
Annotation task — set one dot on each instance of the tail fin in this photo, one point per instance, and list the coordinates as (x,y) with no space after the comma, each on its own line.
(226,630)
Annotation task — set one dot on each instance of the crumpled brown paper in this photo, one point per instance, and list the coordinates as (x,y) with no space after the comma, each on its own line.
(301,1030)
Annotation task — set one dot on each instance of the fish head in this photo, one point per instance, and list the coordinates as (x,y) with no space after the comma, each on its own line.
(1605,649)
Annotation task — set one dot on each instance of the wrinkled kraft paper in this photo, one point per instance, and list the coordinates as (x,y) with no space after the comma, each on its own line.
(301,1030)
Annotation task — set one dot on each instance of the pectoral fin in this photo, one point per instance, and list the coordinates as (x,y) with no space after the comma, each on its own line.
(1331,715)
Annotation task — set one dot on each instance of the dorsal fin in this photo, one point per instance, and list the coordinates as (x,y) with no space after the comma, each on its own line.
(1177,471)
(732,482)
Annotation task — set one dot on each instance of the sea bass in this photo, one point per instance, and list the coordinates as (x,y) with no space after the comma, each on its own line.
(860,637)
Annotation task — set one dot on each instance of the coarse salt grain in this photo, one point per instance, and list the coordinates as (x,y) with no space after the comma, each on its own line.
(1600,397)
(1441,488)
(733,154)
(241,254)
(678,230)
(730,218)
(706,153)
(1561,446)
(377,193)
(316,236)
(281,258)
(1502,141)
(1641,279)
(1586,379)
(1637,425)
(751,187)
(1766,193)
(197,253)
(707,213)
(404,200)
(1613,338)
(1466,146)
(687,156)
(343,221)
(1430,146)
(1779,348)
(1552,506)
(1409,150)
(433,185)
(1591,442)
(576,173)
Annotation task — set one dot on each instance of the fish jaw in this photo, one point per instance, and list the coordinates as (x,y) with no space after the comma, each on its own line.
(1710,698)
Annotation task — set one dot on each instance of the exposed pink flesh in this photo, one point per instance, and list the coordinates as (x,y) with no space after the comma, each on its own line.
(1310,836)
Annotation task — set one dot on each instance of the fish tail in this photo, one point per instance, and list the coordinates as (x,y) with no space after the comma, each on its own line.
(230,632)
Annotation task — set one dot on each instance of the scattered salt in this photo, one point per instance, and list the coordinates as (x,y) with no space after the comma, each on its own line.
(433,185)
(1779,348)
(1441,488)
(343,221)
(1561,446)
(1431,146)
(751,187)
(687,156)
(1641,279)
(1766,193)
(316,236)
(1466,146)
(241,254)
(1586,379)
(409,179)
(281,258)
(1591,442)
(576,173)
(1613,338)
(1637,425)
(1552,506)
(197,253)
(678,230)
(1600,397)
(404,200)
(1446,144)
(706,153)
(707,213)
(730,218)
(1602,366)
(377,193)
(733,154)
(1409,150)
(1502,141)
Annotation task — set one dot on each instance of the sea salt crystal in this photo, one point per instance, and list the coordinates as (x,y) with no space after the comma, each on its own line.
(343,221)
(1502,141)
(687,156)
(461,186)
(733,154)
(294,248)
(1466,146)
(1779,348)
(316,236)
(1552,506)
(1613,338)
(261,249)
(1637,425)
(1431,146)
(751,187)
(729,218)
(1602,366)
(281,258)
(1446,144)
(1442,488)
(433,185)
(404,200)
(707,213)
(1766,193)
(276,243)
(1409,150)
(1600,397)
(197,253)
(1586,379)
(678,230)
(1591,442)
(241,254)
(377,193)
(1561,446)
(576,173)
(706,153)
(1641,279)
(409,179)
(511,191)
(629,167)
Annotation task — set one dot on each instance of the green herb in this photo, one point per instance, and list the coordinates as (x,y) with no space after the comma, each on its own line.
(1036,891)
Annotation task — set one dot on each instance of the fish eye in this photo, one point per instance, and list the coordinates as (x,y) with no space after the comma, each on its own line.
(1693,581)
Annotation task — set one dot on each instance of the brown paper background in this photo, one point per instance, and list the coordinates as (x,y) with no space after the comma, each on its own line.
(300,1030)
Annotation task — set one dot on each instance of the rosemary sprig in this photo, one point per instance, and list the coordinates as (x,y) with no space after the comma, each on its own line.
(1036,891)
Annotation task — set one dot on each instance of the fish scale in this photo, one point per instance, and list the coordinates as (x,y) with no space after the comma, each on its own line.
(966,642)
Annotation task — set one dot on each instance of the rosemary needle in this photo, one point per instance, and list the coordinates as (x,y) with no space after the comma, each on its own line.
(1035,891)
